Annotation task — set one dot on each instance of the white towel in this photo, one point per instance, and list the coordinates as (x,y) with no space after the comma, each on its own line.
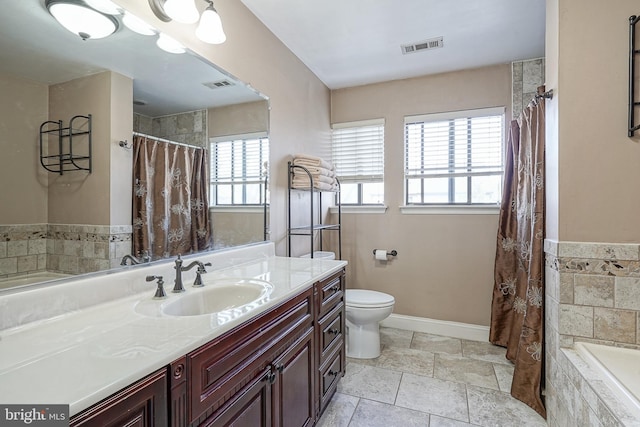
(323,186)
(314,171)
(311,161)
(302,178)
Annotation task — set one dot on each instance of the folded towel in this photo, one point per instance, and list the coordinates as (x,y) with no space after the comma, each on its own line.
(314,171)
(323,186)
(303,178)
(311,161)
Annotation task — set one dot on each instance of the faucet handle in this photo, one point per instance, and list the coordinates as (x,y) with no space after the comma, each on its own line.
(201,266)
(160,290)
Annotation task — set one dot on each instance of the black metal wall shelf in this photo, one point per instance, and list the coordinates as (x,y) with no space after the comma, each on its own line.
(73,144)
(633,55)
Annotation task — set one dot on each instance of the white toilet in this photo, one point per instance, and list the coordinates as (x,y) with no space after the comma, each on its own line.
(365,310)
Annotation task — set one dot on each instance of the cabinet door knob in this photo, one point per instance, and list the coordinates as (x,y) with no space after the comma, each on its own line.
(280,368)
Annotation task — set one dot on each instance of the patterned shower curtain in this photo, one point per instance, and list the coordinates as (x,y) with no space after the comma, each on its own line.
(517,316)
(170,198)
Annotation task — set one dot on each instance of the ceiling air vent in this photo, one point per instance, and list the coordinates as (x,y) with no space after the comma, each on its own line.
(423,45)
(219,84)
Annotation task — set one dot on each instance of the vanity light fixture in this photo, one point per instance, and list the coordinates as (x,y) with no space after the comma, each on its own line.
(210,28)
(169,44)
(137,25)
(77,17)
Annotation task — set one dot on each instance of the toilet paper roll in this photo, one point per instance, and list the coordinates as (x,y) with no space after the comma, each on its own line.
(381,255)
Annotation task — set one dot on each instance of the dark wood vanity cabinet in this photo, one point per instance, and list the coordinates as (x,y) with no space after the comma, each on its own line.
(279,369)
(142,404)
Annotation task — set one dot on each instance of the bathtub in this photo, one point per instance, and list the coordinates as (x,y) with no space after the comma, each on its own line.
(620,368)
(27,279)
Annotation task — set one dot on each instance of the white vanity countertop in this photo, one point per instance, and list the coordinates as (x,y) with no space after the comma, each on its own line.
(85,355)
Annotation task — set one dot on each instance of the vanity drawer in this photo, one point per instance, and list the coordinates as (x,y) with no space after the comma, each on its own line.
(331,331)
(218,369)
(330,292)
(329,375)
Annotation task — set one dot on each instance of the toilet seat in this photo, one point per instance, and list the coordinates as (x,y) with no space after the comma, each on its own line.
(364,298)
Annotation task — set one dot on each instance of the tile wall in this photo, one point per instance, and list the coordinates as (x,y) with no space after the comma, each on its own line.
(61,248)
(187,128)
(526,77)
(592,294)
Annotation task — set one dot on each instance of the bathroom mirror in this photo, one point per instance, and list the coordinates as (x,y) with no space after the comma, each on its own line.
(180,97)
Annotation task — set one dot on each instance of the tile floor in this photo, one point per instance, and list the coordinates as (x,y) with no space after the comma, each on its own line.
(428,380)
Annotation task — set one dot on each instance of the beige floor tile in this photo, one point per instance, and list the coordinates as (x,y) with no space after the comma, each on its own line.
(339,411)
(409,360)
(465,370)
(504,373)
(436,421)
(391,337)
(436,343)
(376,414)
(370,382)
(434,396)
(495,408)
(484,351)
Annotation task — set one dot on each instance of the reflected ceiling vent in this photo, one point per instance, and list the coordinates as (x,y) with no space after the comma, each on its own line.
(139,102)
(430,44)
(219,84)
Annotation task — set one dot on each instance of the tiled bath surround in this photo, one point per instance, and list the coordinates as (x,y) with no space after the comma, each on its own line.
(61,248)
(188,128)
(526,76)
(592,294)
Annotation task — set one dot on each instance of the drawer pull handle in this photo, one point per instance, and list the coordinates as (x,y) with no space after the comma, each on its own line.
(333,373)
(269,377)
(280,368)
(334,331)
(335,288)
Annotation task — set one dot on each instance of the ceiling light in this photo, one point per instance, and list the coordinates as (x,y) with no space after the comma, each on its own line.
(210,28)
(82,20)
(183,11)
(105,6)
(169,44)
(137,25)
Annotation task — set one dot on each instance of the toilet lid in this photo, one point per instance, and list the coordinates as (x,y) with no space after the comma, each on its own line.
(366,298)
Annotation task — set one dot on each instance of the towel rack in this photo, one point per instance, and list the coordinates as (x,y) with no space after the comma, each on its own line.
(633,52)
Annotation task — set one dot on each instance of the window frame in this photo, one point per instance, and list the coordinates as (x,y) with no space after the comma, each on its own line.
(233,181)
(451,117)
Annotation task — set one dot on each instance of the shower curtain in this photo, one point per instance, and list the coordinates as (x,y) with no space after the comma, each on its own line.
(517,315)
(170,198)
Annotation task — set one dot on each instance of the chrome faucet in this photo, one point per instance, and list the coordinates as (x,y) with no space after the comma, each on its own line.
(135,260)
(178,286)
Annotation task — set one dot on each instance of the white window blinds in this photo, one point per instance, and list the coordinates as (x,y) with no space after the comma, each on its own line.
(457,144)
(240,160)
(358,151)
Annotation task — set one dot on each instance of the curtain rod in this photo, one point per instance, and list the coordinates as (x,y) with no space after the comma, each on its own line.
(166,140)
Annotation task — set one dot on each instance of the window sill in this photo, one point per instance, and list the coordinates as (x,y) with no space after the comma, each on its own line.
(360,209)
(450,210)
(237,209)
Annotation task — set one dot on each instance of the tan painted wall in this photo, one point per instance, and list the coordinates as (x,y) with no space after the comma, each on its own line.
(300,102)
(79,197)
(238,119)
(444,267)
(598,195)
(23,107)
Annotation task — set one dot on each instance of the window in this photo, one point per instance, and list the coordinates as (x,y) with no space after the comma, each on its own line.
(454,158)
(358,157)
(238,169)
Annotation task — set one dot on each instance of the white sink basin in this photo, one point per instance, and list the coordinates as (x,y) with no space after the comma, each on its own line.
(220,296)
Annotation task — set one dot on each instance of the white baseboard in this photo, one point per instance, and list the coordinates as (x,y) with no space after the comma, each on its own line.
(464,331)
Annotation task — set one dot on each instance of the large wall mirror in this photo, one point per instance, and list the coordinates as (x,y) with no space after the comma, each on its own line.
(54,225)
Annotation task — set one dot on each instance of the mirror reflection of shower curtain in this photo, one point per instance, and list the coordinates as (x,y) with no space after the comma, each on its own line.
(517,310)
(170,198)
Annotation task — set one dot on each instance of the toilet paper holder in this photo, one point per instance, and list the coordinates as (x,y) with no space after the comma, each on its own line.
(392,252)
